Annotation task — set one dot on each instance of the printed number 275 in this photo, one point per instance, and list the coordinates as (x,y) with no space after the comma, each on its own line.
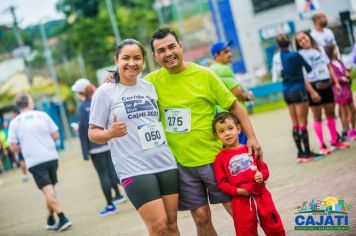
(173,121)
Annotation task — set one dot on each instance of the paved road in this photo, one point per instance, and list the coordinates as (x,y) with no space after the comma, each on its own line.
(22,210)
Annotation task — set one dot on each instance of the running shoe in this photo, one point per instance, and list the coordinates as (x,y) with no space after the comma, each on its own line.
(108,210)
(315,156)
(119,199)
(351,135)
(300,155)
(324,150)
(25,178)
(342,137)
(63,224)
(340,145)
(51,223)
(305,159)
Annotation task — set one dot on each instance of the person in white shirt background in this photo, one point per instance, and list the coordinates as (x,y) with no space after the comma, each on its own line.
(321,34)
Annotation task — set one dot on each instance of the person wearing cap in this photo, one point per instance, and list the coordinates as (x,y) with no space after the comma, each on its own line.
(99,153)
(222,54)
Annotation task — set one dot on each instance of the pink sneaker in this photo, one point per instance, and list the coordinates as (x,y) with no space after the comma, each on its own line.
(324,150)
(340,145)
(351,135)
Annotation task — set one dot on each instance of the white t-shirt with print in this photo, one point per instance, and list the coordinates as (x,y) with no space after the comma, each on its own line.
(136,106)
(326,37)
(318,60)
(32,131)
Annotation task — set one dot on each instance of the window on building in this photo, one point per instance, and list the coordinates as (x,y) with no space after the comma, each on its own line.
(263,5)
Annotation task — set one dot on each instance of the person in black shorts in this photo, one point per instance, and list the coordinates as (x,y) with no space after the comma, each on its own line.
(34,133)
(321,97)
(290,66)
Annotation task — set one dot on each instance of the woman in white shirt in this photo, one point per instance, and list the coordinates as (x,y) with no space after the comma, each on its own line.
(321,94)
(125,115)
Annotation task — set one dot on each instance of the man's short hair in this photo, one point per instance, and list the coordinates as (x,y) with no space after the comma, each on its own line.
(161,33)
(22,101)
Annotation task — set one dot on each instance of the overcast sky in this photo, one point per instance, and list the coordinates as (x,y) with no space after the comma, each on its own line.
(29,12)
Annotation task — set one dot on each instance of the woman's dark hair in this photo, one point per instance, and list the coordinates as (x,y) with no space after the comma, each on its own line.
(283,41)
(120,46)
(161,33)
(313,43)
(222,116)
(329,50)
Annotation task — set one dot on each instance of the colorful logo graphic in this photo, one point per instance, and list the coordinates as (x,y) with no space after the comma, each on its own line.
(327,214)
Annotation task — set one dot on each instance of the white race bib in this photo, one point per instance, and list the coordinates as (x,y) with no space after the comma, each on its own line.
(322,72)
(178,120)
(151,135)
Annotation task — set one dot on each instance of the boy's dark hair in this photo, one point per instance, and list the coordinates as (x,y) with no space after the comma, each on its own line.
(22,101)
(222,116)
(329,50)
(313,42)
(161,33)
(283,41)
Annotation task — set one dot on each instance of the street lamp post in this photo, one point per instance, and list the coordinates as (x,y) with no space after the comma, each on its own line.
(54,77)
(180,19)
(115,28)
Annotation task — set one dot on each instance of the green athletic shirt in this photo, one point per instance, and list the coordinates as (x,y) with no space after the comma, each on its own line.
(199,89)
(227,76)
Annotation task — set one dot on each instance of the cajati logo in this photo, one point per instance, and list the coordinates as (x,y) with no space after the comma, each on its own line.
(327,214)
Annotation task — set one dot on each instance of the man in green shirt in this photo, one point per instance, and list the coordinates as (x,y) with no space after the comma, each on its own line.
(222,54)
(187,96)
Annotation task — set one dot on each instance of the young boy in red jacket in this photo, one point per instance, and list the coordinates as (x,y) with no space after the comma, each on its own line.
(242,176)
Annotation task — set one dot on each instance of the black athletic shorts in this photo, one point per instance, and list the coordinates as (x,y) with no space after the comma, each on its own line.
(324,89)
(21,156)
(142,189)
(296,96)
(45,173)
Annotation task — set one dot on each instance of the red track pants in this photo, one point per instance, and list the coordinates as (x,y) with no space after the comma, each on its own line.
(246,215)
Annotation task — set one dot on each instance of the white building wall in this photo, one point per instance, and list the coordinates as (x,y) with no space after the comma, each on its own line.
(248,24)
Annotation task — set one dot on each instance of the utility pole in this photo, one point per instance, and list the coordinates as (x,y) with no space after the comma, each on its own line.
(19,40)
(158,7)
(115,28)
(15,27)
(80,59)
(180,19)
(54,77)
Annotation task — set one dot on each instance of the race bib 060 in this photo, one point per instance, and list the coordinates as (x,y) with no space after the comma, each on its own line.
(151,135)
(178,120)
(322,72)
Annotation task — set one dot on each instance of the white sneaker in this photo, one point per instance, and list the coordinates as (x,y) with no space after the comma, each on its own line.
(119,200)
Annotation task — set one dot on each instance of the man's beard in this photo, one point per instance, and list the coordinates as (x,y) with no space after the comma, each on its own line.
(323,24)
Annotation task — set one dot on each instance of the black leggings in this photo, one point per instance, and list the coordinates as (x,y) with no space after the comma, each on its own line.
(107,174)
